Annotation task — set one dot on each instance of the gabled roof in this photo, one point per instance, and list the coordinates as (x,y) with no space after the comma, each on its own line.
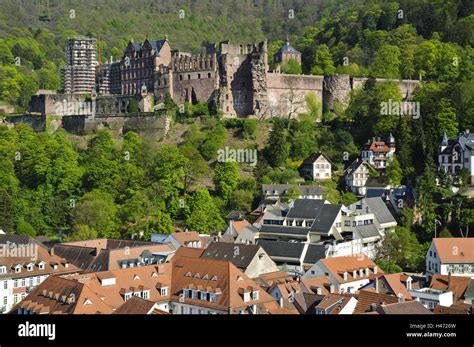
(313,284)
(395,282)
(337,266)
(239,225)
(305,208)
(456,284)
(238,254)
(282,249)
(314,253)
(407,307)
(355,165)
(367,231)
(137,305)
(28,251)
(333,303)
(455,249)
(305,303)
(377,207)
(315,156)
(325,218)
(222,278)
(367,299)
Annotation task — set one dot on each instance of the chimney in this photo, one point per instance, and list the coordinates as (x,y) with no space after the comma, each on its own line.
(332,289)
(375,269)
(51,251)
(376,282)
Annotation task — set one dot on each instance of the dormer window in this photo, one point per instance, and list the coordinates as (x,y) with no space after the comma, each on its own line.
(212,297)
(247,297)
(255,295)
(29,267)
(203,295)
(41,265)
(164,291)
(17,268)
(3,269)
(146,294)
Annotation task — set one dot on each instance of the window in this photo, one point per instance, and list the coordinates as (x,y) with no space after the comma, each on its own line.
(128,296)
(246,297)
(255,295)
(194,294)
(164,291)
(15,284)
(212,297)
(146,294)
(203,296)
(3,269)
(5,285)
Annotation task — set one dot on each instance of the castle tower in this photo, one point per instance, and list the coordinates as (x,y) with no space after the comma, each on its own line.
(391,145)
(286,53)
(444,143)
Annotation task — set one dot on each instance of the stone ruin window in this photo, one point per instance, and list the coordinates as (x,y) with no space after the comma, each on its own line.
(180,77)
(189,77)
(199,76)
(208,75)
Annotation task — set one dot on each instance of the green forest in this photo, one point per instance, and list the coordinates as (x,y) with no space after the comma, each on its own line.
(103,187)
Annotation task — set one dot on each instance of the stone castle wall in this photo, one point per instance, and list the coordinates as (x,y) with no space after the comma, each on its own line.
(151,125)
(286,93)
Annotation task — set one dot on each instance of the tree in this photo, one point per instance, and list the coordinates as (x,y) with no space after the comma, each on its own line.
(322,61)
(82,232)
(465,219)
(98,211)
(101,167)
(292,67)
(277,149)
(394,173)
(402,248)
(25,228)
(201,214)
(250,126)
(159,223)
(241,200)
(291,194)
(226,178)
(10,86)
(348,198)
(389,267)
(386,62)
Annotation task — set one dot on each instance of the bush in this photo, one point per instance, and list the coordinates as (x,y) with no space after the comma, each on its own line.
(250,126)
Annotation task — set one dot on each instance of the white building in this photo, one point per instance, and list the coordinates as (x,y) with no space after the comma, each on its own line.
(430,298)
(356,176)
(450,255)
(347,274)
(317,167)
(457,154)
(378,153)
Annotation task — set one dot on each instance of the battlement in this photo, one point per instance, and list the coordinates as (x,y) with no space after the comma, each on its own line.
(190,63)
(226,47)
